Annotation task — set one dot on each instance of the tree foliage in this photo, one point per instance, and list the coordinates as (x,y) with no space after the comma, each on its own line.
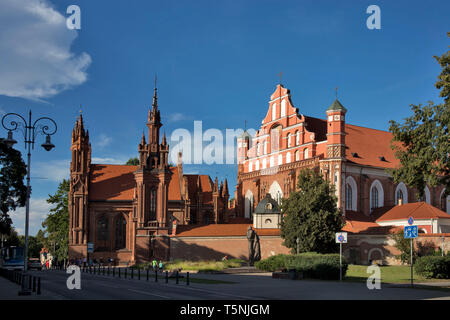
(311,214)
(56,225)
(13,192)
(422,142)
(132,162)
(404,246)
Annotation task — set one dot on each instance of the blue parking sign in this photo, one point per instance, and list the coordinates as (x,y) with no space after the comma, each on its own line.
(411,232)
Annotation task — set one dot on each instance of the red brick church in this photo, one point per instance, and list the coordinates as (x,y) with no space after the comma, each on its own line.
(128,212)
(352,158)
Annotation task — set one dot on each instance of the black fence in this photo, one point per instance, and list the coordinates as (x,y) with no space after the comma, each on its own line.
(31,282)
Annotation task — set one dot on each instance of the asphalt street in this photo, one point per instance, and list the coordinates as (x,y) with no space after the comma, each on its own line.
(244,287)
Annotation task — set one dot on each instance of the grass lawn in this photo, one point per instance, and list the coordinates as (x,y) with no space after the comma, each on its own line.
(389,274)
(203,266)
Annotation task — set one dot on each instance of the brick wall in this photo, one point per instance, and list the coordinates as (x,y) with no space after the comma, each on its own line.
(215,248)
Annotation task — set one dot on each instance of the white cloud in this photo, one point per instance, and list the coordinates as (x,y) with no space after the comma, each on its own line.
(35,48)
(175,117)
(103,140)
(53,170)
(39,209)
(121,160)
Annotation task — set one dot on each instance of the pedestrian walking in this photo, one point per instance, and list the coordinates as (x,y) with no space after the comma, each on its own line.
(160,266)
(154,264)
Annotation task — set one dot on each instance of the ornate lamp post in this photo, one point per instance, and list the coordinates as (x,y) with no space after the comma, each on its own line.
(29,130)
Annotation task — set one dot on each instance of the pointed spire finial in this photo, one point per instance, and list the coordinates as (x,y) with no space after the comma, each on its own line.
(336,89)
(155,97)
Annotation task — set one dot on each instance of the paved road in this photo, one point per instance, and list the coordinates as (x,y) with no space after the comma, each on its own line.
(246,287)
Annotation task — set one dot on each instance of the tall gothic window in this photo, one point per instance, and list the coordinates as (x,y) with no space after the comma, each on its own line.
(348,197)
(305,153)
(121,232)
(399,195)
(102,228)
(374,193)
(297,137)
(297,155)
(152,213)
(289,139)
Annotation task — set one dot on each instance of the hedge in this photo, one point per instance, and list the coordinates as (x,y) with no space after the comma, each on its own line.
(433,267)
(311,264)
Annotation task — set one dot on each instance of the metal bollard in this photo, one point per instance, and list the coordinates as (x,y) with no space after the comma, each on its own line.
(39,286)
(167,276)
(187,278)
(177,278)
(147,273)
(126,272)
(156,275)
(108,271)
(119,272)
(34,284)
(114,272)
(29,282)
(132,273)
(139,274)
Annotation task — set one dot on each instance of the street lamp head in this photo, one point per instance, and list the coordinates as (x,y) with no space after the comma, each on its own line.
(48,145)
(10,140)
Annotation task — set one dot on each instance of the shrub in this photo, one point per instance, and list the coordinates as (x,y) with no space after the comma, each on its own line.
(311,264)
(433,267)
(273,263)
(317,266)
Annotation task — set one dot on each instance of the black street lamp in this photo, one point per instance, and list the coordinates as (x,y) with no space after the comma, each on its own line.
(29,130)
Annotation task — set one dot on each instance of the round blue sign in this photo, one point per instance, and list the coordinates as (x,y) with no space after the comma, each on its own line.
(410,221)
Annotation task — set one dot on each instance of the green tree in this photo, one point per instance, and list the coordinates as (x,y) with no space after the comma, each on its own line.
(404,246)
(422,143)
(311,214)
(13,192)
(132,162)
(56,225)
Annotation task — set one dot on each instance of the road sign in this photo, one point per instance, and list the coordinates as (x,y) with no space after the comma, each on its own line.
(411,232)
(410,221)
(341,237)
(90,247)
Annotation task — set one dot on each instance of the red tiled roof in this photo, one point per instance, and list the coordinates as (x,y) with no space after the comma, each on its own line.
(417,210)
(369,144)
(357,222)
(111,182)
(205,184)
(174,185)
(221,230)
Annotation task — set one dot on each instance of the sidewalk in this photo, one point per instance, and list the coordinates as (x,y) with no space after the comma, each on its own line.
(9,291)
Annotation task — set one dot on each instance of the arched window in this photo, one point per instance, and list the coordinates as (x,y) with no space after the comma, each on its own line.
(102,228)
(257,165)
(374,198)
(348,197)
(297,137)
(274,110)
(376,195)
(264,163)
(297,155)
(275,192)
(351,195)
(272,161)
(121,232)
(258,151)
(280,159)
(289,140)
(275,136)
(152,211)
(401,193)
(283,108)
(288,157)
(250,167)
(265,147)
(445,202)
(248,204)
(305,153)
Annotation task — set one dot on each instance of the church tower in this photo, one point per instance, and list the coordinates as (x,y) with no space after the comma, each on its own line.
(336,147)
(79,182)
(152,177)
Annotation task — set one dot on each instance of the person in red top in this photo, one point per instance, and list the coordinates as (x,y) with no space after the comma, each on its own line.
(46,264)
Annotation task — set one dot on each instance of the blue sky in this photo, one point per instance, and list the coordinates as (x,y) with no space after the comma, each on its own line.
(216,61)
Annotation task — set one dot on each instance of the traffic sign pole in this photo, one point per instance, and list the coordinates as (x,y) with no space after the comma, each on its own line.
(340,261)
(412,281)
